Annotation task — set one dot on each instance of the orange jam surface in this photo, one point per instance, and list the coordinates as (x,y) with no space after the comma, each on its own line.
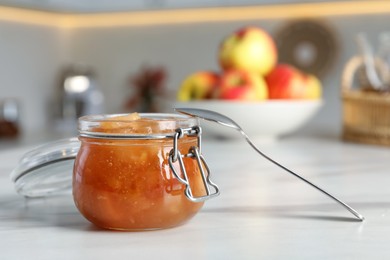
(128,185)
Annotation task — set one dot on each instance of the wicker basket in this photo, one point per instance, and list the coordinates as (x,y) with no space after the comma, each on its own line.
(366,114)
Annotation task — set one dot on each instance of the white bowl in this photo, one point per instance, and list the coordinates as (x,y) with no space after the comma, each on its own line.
(267,120)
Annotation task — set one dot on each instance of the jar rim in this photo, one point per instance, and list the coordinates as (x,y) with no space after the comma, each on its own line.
(166,125)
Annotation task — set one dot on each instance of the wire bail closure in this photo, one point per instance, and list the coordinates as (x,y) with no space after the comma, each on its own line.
(211,188)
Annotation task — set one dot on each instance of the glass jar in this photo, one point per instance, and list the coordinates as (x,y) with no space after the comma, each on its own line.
(140,174)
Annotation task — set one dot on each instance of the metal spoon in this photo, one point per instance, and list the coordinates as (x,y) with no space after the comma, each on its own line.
(369,62)
(224,120)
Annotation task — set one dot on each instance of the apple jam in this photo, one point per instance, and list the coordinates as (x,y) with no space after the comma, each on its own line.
(122,176)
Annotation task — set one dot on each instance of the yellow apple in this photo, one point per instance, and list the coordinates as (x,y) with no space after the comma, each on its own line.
(250,48)
(199,85)
(313,87)
(241,85)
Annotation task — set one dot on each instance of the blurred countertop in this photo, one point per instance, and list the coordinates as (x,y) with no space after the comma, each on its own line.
(262,212)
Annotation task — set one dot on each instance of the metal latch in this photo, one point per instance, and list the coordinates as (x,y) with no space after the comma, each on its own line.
(194,152)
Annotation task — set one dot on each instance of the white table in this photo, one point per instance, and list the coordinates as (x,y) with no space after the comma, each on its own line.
(262,212)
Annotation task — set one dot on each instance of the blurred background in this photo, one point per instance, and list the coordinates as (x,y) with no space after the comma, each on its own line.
(61,59)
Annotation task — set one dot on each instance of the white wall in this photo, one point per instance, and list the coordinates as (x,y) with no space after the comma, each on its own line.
(31,58)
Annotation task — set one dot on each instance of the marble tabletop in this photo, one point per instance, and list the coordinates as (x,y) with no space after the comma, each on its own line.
(262,212)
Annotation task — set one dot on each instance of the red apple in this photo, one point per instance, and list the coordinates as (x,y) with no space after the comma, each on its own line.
(200,85)
(250,48)
(287,82)
(242,85)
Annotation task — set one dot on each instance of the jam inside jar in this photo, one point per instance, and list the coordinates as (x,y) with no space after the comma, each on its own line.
(122,176)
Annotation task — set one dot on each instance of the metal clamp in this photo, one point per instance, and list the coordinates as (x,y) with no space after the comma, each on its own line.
(211,188)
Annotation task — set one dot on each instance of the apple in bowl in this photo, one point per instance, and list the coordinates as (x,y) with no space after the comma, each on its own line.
(241,85)
(197,86)
(250,48)
(287,82)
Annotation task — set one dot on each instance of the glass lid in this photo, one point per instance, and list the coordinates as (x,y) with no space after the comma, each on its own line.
(47,169)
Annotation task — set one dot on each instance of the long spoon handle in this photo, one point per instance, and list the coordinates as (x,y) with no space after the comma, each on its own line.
(354,212)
